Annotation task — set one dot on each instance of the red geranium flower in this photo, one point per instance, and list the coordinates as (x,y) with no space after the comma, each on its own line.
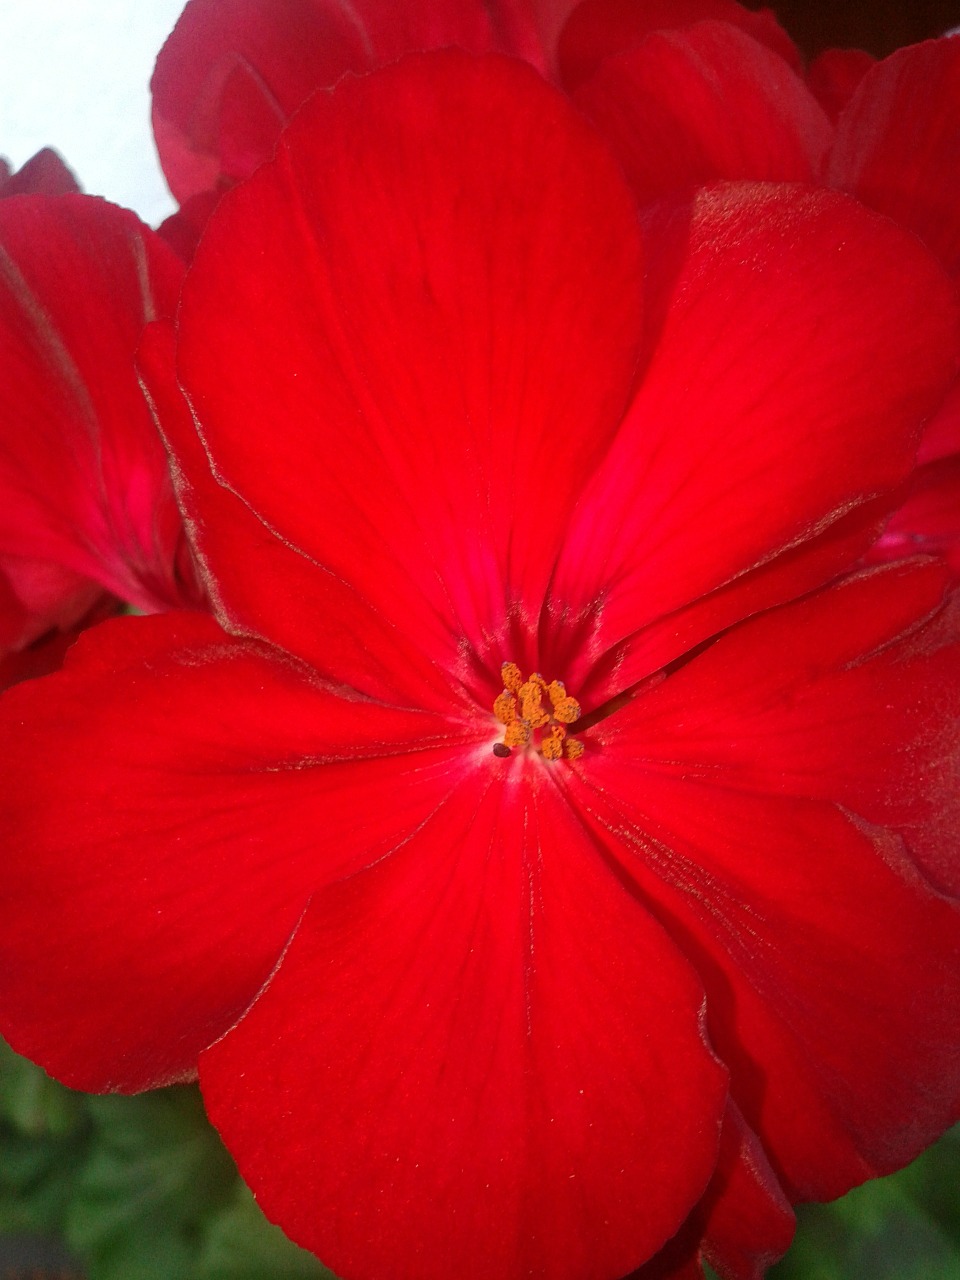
(539,859)
(87,510)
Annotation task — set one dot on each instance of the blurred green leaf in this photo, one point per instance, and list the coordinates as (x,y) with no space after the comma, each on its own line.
(905,1227)
(242,1245)
(32,1103)
(43,1141)
(154,1172)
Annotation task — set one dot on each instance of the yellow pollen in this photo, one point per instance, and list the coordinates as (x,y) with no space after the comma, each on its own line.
(535,713)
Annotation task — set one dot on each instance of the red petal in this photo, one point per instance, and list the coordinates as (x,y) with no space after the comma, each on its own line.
(684,108)
(46,654)
(260,586)
(787,577)
(83,475)
(171,800)
(747,1222)
(911,755)
(896,768)
(802,343)
(599,29)
(479,1059)
(44,174)
(277,52)
(898,144)
(37,596)
(833,77)
(182,230)
(927,522)
(742,1225)
(782,787)
(941,435)
(424,369)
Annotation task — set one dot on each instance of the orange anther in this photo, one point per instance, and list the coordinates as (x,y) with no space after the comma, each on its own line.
(531,704)
(536,714)
(512,677)
(505,707)
(566,710)
(517,734)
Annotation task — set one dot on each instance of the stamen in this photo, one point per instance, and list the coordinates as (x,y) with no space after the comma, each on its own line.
(517,734)
(565,708)
(505,707)
(528,722)
(531,702)
(551,744)
(512,677)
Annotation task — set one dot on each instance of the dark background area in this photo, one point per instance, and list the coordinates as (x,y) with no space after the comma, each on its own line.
(878,26)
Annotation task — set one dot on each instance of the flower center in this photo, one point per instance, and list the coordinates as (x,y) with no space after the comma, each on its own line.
(536,714)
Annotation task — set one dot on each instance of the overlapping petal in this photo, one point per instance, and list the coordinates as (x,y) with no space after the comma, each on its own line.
(800,344)
(902,773)
(205,787)
(898,144)
(833,77)
(785,803)
(84,489)
(599,29)
(507,1071)
(927,522)
(27,661)
(37,596)
(686,107)
(233,71)
(742,1225)
(409,381)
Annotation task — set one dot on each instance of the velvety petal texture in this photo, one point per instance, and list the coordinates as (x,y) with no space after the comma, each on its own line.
(86,504)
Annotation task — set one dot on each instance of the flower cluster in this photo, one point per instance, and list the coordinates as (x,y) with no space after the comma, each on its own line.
(531,807)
